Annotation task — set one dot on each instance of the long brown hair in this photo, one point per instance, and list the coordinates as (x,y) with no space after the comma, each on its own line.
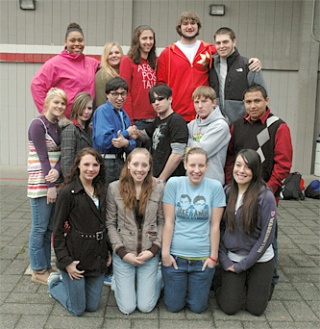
(99,181)
(134,52)
(249,212)
(127,186)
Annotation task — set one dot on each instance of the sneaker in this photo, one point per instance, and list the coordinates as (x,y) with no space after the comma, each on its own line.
(53,277)
(107,280)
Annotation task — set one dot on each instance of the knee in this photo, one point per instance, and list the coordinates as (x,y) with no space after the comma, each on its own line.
(198,308)
(127,310)
(146,307)
(256,310)
(77,312)
(174,308)
(229,309)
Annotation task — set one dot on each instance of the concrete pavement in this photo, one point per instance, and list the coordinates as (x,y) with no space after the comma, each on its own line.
(26,305)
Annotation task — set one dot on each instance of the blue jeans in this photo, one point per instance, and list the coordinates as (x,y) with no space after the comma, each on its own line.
(77,296)
(188,285)
(136,286)
(141,125)
(113,170)
(41,232)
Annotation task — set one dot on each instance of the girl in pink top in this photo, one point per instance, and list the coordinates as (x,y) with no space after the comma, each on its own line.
(71,71)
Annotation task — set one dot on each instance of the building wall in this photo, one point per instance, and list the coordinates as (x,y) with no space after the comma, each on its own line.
(275,31)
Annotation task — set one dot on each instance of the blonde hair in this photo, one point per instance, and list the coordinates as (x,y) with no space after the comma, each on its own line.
(194,150)
(204,91)
(104,64)
(54,92)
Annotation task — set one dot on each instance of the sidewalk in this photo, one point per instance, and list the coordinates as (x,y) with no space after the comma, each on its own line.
(26,305)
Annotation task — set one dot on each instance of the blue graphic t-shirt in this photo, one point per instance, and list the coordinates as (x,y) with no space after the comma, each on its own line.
(193,207)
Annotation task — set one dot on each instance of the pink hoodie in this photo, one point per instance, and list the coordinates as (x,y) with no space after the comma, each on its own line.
(73,73)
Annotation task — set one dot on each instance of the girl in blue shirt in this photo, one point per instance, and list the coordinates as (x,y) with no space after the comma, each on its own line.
(193,206)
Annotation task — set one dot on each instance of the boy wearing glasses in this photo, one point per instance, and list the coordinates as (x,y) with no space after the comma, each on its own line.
(112,128)
(168,134)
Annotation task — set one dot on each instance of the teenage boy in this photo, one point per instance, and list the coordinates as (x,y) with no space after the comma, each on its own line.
(210,131)
(230,75)
(111,129)
(185,65)
(168,134)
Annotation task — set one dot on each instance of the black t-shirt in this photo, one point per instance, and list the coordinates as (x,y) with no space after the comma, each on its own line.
(172,129)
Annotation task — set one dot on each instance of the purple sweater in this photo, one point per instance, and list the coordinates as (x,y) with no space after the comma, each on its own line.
(36,134)
(255,245)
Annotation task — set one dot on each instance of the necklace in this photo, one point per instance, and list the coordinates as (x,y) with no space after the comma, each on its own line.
(91,194)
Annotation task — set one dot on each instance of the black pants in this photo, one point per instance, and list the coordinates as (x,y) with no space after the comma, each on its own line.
(246,290)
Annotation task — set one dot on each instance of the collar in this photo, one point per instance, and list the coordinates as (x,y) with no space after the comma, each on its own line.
(262,119)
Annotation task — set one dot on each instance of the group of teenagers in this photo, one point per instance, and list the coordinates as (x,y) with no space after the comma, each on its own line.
(127,169)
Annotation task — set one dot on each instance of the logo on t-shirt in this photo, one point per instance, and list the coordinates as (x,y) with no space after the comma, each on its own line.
(148,75)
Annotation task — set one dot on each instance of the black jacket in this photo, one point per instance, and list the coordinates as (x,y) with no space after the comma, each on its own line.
(76,212)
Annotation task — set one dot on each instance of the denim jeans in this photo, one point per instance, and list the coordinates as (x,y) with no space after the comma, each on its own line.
(136,286)
(188,285)
(141,125)
(113,170)
(41,232)
(77,296)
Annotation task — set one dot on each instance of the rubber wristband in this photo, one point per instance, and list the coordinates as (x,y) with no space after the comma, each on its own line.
(214,260)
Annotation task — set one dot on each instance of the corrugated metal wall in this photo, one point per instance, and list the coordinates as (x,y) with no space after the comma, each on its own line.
(276,31)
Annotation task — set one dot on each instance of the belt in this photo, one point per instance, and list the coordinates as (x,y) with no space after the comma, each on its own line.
(112,156)
(96,235)
(145,120)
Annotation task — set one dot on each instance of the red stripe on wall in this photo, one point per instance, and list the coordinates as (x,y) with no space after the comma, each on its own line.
(31,58)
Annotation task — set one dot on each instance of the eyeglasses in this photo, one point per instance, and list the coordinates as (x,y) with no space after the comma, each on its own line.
(159,98)
(115,94)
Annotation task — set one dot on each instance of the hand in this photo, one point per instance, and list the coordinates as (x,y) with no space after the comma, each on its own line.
(132,259)
(254,64)
(231,268)
(120,141)
(51,195)
(168,260)
(144,256)
(209,262)
(109,260)
(52,176)
(73,272)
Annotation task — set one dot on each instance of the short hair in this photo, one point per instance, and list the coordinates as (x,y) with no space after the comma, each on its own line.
(73,27)
(160,90)
(79,104)
(204,91)
(115,84)
(225,30)
(54,92)
(194,150)
(256,87)
(188,14)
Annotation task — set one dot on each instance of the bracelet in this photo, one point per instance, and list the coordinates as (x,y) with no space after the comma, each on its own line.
(213,259)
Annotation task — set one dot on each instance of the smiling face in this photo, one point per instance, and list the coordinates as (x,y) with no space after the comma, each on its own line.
(117,97)
(204,106)
(114,57)
(55,108)
(256,104)
(139,167)
(89,169)
(225,45)
(146,42)
(242,174)
(189,29)
(74,42)
(196,166)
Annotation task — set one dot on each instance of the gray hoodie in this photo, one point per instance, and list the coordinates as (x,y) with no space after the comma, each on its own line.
(213,135)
